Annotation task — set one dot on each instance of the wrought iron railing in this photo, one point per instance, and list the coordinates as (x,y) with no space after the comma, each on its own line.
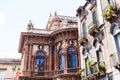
(72,70)
(42,73)
(56,72)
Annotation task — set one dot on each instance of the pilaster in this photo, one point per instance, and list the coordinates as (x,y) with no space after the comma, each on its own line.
(65,62)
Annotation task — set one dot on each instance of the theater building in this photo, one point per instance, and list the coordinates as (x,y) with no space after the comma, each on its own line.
(51,53)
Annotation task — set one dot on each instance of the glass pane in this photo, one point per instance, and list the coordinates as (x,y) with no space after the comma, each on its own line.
(61,51)
(62,62)
(118,41)
(40,60)
(71,58)
(69,61)
(37,61)
(74,60)
(94,17)
(84,28)
(40,54)
(111,1)
(71,49)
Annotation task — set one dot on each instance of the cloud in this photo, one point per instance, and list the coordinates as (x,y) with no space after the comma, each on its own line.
(2,17)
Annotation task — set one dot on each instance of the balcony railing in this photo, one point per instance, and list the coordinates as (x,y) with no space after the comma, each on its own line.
(92,29)
(110,12)
(72,70)
(92,3)
(97,69)
(56,72)
(82,38)
(42,73)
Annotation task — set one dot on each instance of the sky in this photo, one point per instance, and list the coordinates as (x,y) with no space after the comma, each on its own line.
(15,15)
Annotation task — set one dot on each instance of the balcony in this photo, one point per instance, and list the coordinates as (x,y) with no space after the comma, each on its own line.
(72,70)
(83,38)
(110,13)
(58,72)
(54,73)
(42,73)
(92,29)
(97,70)
(91,3)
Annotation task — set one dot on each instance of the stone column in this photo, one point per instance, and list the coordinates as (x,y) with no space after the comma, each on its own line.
(25,57)
(65,62)
(55,58)
(30,58)
(78,57)
(33,63)
(50,57)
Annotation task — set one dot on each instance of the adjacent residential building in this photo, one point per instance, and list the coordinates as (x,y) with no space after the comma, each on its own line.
(51,53)
(7,68)
(99,39)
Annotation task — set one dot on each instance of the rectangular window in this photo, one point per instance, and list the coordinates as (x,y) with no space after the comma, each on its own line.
(84,31)
(2,75)
(62,64)
(117,38)
(74,60)
(94,17)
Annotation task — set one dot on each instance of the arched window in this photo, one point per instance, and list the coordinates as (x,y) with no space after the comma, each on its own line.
(61,59)
(71,57)
(99,52)
(87,61)
(116,34)
(86,58)
(40,61)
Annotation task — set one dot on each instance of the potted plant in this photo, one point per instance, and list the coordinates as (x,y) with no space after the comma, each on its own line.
(101,69)
(89,62)
(110,12)
(82,75)
(101,66)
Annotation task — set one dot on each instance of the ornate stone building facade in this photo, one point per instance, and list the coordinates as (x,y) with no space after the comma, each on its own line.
(99,30)
(7,68)
(51,53)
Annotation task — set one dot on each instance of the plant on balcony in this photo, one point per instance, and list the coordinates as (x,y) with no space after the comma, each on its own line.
(89,62)
(101,67)
(110,12)
(82,75)
(92,26)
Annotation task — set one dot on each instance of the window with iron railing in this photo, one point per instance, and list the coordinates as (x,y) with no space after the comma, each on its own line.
(87,63)
(99,55)
(116,34)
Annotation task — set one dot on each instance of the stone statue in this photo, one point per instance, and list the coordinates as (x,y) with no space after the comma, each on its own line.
(30,25)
